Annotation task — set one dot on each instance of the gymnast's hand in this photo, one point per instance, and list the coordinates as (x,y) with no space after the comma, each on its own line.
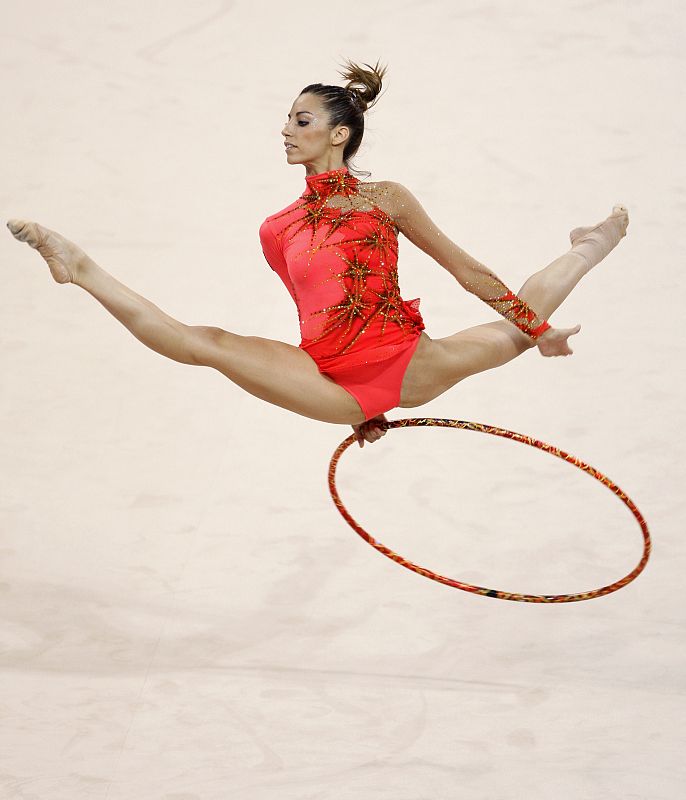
(554,341)
(369,430)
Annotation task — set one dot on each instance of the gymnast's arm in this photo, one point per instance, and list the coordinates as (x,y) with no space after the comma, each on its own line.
(411,219)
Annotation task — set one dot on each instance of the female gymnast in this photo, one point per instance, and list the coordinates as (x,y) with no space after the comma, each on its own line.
(363,350)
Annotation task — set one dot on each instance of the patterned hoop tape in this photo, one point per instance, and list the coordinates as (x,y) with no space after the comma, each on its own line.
(467,587)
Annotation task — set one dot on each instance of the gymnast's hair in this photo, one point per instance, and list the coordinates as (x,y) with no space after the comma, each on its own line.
(346,104)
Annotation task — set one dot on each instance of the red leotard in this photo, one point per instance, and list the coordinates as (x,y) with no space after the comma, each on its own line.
(340,267)
(337,252)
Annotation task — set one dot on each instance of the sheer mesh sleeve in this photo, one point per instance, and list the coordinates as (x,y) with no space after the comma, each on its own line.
(476,278)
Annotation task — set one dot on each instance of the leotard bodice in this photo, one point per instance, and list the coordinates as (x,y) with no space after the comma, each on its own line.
(337,253)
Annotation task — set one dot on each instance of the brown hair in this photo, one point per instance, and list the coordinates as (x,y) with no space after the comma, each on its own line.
(346,104)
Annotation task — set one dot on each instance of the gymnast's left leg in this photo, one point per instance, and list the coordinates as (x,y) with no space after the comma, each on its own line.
(453,358)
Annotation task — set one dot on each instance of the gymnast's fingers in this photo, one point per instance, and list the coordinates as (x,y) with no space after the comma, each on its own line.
(368,431)
(375,434)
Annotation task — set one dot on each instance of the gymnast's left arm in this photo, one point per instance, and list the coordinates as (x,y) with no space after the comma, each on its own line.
(413,221)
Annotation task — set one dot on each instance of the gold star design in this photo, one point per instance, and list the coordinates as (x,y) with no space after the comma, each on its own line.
(353,306)
(357,253)
(357,271)
(314,217)
(390,306)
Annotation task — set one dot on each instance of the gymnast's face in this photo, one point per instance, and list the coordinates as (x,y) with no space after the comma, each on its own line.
(315,144)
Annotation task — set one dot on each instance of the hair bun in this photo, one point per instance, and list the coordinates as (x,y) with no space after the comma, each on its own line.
(357,99)
(363,85)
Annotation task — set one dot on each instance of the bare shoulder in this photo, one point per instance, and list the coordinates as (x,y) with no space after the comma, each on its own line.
(389,196)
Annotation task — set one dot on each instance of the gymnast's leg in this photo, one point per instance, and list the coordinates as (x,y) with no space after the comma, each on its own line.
(486,346)
(274,371)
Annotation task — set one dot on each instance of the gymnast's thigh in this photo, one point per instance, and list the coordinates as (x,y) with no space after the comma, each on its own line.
(438,364)
(480,348)
(426,375)
(281,374)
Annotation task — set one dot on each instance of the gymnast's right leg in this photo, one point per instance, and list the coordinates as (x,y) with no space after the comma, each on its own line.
(483,347)
(274,371)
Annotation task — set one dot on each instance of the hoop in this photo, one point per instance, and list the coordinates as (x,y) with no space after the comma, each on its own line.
(468,587)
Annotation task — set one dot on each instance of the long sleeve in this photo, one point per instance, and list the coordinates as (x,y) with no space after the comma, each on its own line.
(474,276)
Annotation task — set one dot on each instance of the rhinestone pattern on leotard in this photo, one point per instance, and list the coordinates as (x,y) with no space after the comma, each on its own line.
(357,251)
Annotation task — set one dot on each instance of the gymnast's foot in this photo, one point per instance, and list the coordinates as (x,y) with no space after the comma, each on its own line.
(595,242)
(64,258)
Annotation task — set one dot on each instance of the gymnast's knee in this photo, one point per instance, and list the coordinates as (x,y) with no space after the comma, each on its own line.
(208,344)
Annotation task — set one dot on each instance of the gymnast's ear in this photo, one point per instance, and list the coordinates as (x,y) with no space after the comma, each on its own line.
(340,135)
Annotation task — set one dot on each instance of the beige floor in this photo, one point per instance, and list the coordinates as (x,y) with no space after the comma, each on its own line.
(185,615)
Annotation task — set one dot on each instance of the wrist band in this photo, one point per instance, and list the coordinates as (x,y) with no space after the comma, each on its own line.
(542,328)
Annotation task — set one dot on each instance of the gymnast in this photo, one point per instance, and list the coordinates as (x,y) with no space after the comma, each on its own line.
(363,348)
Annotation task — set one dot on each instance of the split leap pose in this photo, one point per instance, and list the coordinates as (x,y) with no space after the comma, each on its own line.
(363,350)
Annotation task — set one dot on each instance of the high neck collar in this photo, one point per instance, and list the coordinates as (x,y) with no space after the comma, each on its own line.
(334,181)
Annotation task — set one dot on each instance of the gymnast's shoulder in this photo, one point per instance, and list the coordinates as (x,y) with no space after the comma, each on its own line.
(397,201)
(394,199)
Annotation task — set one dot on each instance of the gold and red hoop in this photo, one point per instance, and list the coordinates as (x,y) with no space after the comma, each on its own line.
(467,587)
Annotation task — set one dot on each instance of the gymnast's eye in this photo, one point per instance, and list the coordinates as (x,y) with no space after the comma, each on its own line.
(303,122)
